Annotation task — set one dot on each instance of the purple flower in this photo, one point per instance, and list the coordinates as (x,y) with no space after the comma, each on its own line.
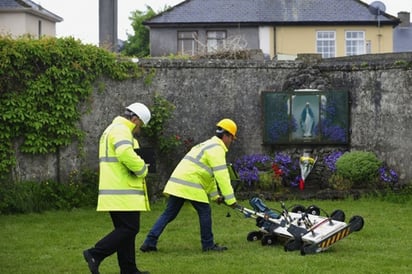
(388,175)
(295,183)
(248,166)
(285,163)
(330,160)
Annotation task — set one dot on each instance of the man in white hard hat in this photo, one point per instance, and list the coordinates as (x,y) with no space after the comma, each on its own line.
(122,189)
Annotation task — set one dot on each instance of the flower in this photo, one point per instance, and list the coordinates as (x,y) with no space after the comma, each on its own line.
(285,163)
(388,175)
(330,160)
(276,170)
(249,166)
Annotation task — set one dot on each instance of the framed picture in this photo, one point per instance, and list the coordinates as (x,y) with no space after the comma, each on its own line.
(305,116)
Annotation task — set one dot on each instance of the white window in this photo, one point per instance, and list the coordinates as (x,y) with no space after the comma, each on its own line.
(187,42)
(326,43)
(355,42)
(216,40)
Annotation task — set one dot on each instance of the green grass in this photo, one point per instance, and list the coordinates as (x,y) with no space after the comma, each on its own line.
(53,242)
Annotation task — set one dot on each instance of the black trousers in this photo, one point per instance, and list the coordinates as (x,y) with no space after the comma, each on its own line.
(121,240)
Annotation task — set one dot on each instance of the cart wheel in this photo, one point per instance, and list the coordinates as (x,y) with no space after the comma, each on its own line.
(303,249)
(338,215)
(268,239)
(356,223)
(314,210)
(298,209)
(254,236)
(292,245)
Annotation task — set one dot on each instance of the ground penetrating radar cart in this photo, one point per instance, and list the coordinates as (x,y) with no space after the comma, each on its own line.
(299,228)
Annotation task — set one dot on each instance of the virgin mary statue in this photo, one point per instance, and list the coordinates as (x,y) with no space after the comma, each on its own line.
(307,121)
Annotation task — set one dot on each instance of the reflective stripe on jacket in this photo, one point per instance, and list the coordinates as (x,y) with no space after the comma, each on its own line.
(200,172)
(122,171)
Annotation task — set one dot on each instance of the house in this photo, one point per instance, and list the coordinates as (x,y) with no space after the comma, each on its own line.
(280,28)
(21,17)
(402,34)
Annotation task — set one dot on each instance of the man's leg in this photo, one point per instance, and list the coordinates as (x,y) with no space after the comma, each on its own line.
(205,220)
(126,226)
(174,204)
(128,223)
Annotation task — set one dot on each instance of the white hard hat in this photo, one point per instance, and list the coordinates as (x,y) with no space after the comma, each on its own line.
(141,111)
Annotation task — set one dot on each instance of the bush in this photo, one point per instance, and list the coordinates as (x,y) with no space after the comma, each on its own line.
(28,196)
(338,182)
(358,166)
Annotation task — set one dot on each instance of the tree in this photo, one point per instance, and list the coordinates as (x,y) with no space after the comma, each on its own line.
(138,43)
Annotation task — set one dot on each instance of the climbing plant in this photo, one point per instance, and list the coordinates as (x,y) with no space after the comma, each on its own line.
(43,82)
(162,111)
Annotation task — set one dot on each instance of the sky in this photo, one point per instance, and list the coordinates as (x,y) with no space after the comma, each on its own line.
(81,21)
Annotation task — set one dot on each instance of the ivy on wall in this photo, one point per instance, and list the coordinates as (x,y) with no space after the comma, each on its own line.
(42,84)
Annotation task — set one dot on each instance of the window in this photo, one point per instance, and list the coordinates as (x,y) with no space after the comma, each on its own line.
(326,43)
(306,117)
(355,42)
(187,42)
(216,40)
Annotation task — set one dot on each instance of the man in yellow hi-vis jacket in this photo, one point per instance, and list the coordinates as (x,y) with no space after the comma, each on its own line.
(122,189)
(198,177)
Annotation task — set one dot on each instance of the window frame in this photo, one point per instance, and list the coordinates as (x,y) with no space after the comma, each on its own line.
(329,53)
(182,42)
(359,44)
(220,42)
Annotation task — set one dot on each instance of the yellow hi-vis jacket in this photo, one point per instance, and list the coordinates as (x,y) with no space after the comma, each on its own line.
(122,172)
(199,174)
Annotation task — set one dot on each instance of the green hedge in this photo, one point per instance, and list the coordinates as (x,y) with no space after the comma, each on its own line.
(43,83)
(26,197)
(360,167)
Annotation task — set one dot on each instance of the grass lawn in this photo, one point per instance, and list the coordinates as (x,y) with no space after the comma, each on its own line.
(53,242)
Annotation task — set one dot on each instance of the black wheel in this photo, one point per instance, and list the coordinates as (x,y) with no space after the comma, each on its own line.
(303,248)
(268,239)
(254,236)
(292,245)
(338,215)
(356,223)
(314,210)
(298,209)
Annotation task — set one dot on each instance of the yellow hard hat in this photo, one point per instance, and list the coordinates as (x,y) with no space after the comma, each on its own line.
(228,125)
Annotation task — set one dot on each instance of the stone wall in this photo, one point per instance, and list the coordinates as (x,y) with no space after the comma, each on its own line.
(205,91)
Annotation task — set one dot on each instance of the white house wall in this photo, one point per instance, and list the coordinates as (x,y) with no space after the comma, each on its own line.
(18,24)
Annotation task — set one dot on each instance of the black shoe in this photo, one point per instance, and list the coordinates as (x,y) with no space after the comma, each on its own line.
(215,248)
(148,248)
(93,264)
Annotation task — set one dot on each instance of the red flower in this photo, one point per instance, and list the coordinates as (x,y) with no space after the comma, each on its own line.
(277,171)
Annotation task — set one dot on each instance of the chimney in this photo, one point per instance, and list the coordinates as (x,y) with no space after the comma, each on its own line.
(405,18)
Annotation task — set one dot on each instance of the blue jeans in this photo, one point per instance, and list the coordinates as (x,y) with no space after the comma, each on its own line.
(174,204)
